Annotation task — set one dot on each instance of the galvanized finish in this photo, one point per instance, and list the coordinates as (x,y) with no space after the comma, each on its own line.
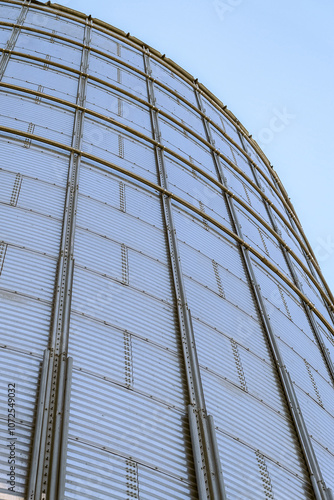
(316,478)
(123,188)
(209,477)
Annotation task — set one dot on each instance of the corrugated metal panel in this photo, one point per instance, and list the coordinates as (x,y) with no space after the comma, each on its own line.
(103,42)
(128,423)
(108,44)
(140,158)
(247,418)
(111,145)
(4,35)
(221,120)
(180,111)
(250,475)
(240,469)
(319,422)
(262,380)
(289,320)
(28,273)
(23,371)
(40,46)
(297,335)
(215,345)
(220,314)
(291,335)
(31,162)
(327,338)
(173,81)
(245,191)
(214,351)
(32,76)
(185,145)
(90,340)
(100,139)
(50,22)
(259,238)
(132,56)
(31,230)
(268,190)
(118,107)
(127,359)
(41,119)
(98,254)
(286,485)
(7,180)
(304,375)
(288,237)
(152,484)
(124,307)
(102,67)
(143,205)
(168,382)
(42,197)
(312,293)
(100,185)
(225,147)
(112,72)
(222,251)
(25,322)
(193,188)
(127,197)
(120,226)
(198,236)
(326,462)
(150,276)
(36,195)
(93,471)
(227,359)
(214,277)
(9,12)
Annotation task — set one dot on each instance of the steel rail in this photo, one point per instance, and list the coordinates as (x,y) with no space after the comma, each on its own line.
(303,436)
(165,87)
(284,199)
(179,200)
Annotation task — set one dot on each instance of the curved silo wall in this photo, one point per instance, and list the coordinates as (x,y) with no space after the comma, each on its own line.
(165,328)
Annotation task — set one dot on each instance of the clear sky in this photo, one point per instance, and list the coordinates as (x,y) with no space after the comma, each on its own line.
(262,59)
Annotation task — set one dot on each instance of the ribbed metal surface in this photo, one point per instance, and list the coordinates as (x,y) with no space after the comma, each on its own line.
(187,354)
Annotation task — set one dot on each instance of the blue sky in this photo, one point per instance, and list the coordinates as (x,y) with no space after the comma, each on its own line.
(262,59)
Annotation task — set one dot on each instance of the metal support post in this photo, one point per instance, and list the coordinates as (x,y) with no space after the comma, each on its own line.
(50,445)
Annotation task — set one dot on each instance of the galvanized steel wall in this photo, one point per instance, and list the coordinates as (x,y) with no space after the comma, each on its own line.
(166,332)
